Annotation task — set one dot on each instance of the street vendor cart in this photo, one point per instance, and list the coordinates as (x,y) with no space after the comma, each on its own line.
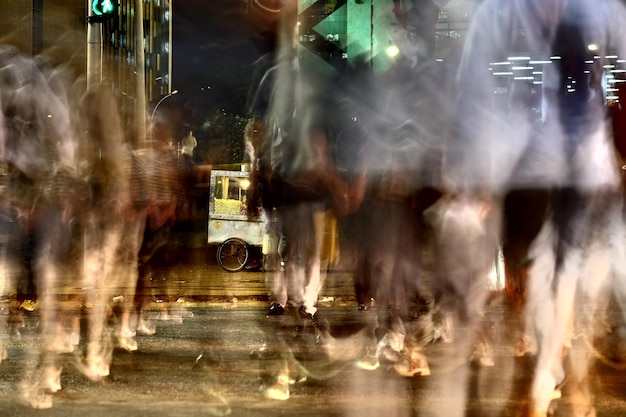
(239,236)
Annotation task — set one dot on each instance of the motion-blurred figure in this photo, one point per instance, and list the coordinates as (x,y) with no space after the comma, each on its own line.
(546,141)
(390,139)
(296,182)
(189,144)
(158,197)
(38,150)
(104,166)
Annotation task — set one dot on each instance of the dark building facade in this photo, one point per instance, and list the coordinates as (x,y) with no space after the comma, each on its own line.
(119,47)
(59,30)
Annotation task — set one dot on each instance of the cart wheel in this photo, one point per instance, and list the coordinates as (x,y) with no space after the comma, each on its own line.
(232,254)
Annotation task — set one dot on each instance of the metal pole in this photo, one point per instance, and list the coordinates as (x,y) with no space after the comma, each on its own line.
(170,51)
(140,65)
(94,50)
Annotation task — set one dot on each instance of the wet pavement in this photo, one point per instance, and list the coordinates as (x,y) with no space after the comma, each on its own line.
(217,350)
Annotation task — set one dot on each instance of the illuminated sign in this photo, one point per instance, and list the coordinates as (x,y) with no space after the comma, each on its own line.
(102,10)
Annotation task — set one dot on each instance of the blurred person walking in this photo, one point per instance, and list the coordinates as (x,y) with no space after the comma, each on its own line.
(295,182)
(547,142)
(104,165)
(38,150)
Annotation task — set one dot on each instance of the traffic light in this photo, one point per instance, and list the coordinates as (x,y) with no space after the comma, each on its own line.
(103,10)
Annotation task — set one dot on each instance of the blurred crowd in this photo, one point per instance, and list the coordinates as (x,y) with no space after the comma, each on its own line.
(82,203)
(465,159)
(429,154)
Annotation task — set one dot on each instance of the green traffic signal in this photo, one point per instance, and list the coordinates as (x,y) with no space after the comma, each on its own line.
(103,7)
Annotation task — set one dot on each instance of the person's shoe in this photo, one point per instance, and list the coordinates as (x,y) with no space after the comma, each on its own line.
(303,314)
(297,377)
(39,399)
(129,344)
(414,363)
(369,362)
(51,379)
(145,327)
(446,329)
(525,345)
(483,354)
(28,305)
(280,389)
(367,306)
(275,309)
(391,355)
(95,369)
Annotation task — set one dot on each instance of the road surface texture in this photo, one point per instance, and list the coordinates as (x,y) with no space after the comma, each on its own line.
(217,350)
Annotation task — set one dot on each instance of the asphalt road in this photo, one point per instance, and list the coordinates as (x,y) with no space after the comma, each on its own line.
(224,350)
(210,365)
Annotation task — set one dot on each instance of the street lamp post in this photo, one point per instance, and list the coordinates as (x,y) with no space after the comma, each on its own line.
(161,101)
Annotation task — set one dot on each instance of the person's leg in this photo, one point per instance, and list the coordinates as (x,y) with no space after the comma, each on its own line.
(42,375)
(295,226)
(467,231)
(315,276)
(275,268)
(27,293)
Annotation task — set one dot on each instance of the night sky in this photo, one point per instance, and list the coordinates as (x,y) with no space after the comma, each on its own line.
(217,46)
(213,37)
